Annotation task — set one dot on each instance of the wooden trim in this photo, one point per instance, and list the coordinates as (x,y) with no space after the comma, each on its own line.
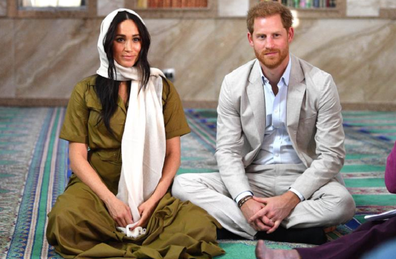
(14,11)
(50,102)
(387,13)
(199,104)
(29,102)
(192,104)
(175,13)
(369,106)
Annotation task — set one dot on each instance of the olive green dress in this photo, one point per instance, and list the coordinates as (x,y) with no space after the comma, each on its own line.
(79,224)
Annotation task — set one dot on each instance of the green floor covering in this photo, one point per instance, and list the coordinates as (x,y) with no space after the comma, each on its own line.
(33,171)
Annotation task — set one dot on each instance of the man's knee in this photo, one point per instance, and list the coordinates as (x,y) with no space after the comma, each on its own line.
(184,186)
(344,209)
(177,187)
(348,205)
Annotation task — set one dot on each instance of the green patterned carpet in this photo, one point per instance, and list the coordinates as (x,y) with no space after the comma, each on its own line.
(33,171)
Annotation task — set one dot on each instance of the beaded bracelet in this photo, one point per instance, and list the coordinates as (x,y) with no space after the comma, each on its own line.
(243,200)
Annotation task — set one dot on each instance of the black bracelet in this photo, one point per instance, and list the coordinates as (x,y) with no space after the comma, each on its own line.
(243,200)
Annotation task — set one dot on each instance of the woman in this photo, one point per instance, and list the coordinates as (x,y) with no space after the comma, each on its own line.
(353,246)
(127,112)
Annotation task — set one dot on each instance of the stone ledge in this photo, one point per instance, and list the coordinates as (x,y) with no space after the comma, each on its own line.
(192,104)
(30,102)
(374,106)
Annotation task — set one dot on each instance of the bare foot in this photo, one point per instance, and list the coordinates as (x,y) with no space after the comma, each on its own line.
(330,229)
(263,252)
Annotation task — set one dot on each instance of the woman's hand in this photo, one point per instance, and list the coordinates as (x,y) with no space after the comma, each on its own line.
(119,211)
(146,209)
(171,164)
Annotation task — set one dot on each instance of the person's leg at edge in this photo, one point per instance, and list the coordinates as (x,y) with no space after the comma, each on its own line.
(354,245)
(263,252)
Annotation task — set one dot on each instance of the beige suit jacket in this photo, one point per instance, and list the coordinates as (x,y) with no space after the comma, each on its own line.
(314,124)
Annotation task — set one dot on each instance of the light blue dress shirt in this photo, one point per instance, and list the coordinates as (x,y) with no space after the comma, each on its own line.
(276,147)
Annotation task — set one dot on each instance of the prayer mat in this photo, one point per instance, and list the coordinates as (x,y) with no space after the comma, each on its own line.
(34,171)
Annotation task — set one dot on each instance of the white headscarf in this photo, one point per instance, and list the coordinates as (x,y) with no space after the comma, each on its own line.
(143,142)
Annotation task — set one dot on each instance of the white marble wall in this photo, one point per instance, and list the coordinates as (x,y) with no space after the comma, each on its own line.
(107,6)
(3,7)
(368,8)
(7,75)
(44,58)
(227,8)
(360,56)
(387,3)
(362,8)
(50,56)
(201,51)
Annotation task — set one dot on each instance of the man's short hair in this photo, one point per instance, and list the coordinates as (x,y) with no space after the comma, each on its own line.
(268,8)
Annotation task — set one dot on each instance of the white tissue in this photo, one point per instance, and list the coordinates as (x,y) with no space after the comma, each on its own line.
(136,232)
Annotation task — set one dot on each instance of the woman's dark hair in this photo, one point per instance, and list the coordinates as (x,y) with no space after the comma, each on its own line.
(107,88)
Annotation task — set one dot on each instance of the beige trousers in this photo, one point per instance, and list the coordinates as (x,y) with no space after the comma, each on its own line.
(330,205)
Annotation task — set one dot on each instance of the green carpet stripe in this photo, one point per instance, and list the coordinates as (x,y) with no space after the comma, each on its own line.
(362,168)
(7,143)
(370,124)
(368,182)
(9,152)
(193,158)
(196,170)
(383,130)
(8,162)
(377,200)
(360,218)
(61,179)
(11,127)
(202,133)
(346,114)
(332,235)
(237,251)
(3,135)
(42,213)
(358,156)
(372,118)
(9,123)
(5,175)
(214,120)
(207,113)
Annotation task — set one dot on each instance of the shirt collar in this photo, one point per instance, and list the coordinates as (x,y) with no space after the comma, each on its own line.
(285,77)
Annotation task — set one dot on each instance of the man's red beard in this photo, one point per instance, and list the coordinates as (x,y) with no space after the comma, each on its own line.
(272,61)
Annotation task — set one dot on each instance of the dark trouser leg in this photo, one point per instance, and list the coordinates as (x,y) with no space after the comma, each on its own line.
(354,245)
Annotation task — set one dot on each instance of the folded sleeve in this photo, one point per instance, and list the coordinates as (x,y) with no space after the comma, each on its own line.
(174,117)
(75,127)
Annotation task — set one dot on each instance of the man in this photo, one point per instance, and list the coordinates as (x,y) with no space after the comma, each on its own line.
(280,141)
(370,235)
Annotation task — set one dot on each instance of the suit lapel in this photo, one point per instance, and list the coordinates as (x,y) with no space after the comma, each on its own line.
(255,94)
(295,95)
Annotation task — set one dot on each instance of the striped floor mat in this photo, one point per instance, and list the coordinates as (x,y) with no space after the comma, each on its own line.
(44,180)
(33,171)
